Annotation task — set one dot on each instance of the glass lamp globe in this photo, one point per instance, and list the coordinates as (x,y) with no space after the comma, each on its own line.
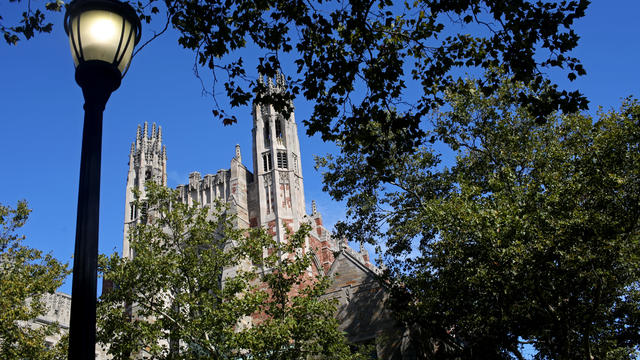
(102,31)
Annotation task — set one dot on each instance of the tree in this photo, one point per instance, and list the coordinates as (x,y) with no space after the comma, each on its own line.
(531,236)
(32,21)
(25,275)
(196,283)
(356,60)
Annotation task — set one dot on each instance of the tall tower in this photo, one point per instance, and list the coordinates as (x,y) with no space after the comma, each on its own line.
(147,162)
(276,166)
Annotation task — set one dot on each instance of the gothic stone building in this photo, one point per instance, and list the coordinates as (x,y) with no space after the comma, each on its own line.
(271,195)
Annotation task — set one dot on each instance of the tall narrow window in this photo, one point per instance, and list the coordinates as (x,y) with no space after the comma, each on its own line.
(266,161)
(267,134)
(267,191)
(282,160)
(144,213)
(279,128)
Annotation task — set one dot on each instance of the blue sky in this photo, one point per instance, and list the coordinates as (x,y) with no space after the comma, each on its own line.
(41,121)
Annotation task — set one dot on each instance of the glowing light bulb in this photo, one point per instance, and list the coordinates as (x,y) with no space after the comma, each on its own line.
(103,30)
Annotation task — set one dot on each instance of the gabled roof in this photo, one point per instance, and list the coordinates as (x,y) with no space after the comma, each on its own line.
(347,254)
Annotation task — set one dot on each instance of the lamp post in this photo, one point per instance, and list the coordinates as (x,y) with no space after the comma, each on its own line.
(102,35)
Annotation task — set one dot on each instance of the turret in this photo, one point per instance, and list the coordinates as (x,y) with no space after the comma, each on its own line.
(276,164)
(147,162)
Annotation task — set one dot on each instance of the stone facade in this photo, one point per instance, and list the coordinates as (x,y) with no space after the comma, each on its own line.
(272,196)
(361,312)
(58,311)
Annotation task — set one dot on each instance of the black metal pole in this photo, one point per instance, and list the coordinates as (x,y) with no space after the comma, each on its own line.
(97,84)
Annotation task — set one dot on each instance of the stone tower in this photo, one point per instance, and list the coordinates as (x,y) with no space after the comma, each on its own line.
(147,162)
(277,171)
(271,197)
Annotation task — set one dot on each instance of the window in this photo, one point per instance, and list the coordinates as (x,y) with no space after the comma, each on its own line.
(267,135)
(266,161)
(279,128)
(282,160)
(267,189)
(144,212)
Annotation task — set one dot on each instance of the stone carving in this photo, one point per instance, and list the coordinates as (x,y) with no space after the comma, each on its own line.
(347,293)
(284,177)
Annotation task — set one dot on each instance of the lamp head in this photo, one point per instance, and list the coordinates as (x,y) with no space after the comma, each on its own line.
(102,34)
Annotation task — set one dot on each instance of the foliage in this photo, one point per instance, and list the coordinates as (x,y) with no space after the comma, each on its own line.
(32,21)
(197,281)
(356,60)
(530,237)
(25,275)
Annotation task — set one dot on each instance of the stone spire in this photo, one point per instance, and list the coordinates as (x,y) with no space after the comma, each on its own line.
(238,154)
(138,138)
(159,139)
(280,80)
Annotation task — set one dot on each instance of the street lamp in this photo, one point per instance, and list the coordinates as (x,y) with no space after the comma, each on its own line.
(102,35)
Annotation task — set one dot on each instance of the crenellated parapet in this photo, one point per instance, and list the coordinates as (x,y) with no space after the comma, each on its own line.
(204,190)
(226,185)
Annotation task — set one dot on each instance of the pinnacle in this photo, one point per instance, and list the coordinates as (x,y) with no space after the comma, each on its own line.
(238,154)
(278,83)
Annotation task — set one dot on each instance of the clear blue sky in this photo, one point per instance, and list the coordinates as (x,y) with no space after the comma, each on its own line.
(41,121)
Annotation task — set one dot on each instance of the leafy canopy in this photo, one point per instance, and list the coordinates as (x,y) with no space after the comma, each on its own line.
(199,287)
(31,21)
(529,237)
(358,60)
(25,275)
